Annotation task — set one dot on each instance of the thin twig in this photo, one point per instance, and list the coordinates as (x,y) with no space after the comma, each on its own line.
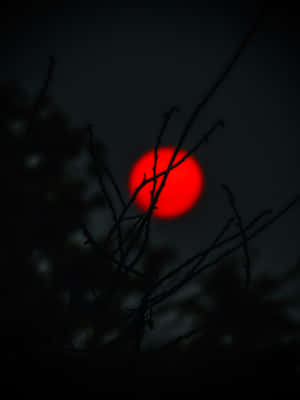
(146,300)
(113,182)
(164,173)
(217,243)
(102,253)
(151,302)
(185,264)
(152,206)
(240,225)
(39,100)
(203,253)
(153,199)
(224,74)
(107,197)
(157,299)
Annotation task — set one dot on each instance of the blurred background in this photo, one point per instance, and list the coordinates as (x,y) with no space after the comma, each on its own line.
(120,68)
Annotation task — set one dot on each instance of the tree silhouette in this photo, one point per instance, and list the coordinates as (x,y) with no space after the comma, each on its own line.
(39,193)
(52,282)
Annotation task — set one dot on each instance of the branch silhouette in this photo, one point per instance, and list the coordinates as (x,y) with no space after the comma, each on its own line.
(141,318)
(143,221)
(241,228)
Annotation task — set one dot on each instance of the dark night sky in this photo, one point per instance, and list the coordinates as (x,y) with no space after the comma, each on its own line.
(121,68)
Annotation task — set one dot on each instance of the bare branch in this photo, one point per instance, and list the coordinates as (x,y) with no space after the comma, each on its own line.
(203,254)
(217,245)
(107,197)
(224,74)
(102,252)
(153,200)
(202,104)
(164,173)
(143,221)
(157,299)
(166,119)
(242,230)
(113,182)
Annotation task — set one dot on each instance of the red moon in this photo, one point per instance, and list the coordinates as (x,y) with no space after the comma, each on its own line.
(183,187)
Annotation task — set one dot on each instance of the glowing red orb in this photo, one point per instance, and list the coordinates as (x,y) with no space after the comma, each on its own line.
(182,189)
